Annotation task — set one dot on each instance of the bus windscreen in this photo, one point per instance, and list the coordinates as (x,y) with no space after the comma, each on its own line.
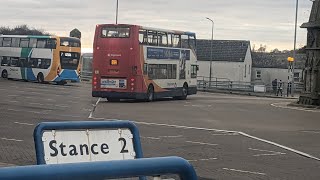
(70,42)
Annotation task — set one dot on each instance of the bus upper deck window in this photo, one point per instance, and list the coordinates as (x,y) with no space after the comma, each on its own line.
(115,32)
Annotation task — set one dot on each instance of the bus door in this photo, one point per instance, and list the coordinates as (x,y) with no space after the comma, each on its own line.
(14,69)
(23,62)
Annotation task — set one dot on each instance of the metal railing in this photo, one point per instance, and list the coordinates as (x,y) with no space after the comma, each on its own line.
(154,167)
(224,84)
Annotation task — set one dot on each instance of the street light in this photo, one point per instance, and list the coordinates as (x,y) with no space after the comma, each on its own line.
(210,76)
(294,46)
(117,11)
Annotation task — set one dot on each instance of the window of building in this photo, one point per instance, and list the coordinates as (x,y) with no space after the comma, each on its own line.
(296,76)
(249,69)
(24,42)
(258,74)
(194,71)
(245,70)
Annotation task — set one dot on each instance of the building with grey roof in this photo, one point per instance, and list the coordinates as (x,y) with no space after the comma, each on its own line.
(231,59)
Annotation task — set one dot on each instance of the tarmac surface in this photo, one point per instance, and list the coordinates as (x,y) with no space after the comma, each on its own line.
(223,136)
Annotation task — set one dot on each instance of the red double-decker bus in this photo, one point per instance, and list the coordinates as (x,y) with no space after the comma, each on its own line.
(135,62)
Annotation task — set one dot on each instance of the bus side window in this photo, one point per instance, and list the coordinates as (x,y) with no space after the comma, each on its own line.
(15,42)
(1,40)
(41,43)
(184,41)
(176,41)
(6,42)
(143,39)
(163,39)
(169,40)
(33,43)
(14,62)
(152,38)
(192,42)
(51,44)
(145,69)
(24,42)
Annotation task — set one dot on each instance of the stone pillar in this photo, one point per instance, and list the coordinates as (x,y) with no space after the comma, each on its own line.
(311,94)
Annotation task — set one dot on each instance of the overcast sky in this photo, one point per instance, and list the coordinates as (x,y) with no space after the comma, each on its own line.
(269,22)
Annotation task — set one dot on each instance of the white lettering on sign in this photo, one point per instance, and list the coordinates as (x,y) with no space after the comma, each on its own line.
(114,55)
(87,145)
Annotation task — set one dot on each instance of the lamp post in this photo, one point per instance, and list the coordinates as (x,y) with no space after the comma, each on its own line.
(294,46)
(210,75)
(117,11)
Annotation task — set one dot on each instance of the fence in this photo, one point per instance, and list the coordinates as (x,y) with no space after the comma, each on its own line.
(224,84)
(103,170)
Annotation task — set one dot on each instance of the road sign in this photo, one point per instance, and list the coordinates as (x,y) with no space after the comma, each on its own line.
(88,141)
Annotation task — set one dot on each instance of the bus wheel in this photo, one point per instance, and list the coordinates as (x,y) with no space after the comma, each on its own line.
(40,78)
(150,93)
(184,93)
(4,74)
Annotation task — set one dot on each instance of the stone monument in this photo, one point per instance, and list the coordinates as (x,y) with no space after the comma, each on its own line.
(311,93)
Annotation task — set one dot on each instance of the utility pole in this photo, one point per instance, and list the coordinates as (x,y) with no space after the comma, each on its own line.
(211,55)
(117,11)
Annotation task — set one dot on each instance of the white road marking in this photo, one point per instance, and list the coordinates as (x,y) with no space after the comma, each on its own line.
(94,108)
(284,106)
(242,171)
(13,101)
(16,140)
(270,153)
(153,138)
(226,134)
(314,132)
(202,159)
(27,124)
(202,143)
(36,104)
(238,132)
(12,95)
(177,136)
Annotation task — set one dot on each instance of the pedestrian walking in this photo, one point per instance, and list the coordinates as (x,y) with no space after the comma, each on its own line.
(274,86)
(280,88)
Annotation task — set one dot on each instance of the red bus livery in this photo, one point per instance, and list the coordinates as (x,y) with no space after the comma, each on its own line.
(135,62)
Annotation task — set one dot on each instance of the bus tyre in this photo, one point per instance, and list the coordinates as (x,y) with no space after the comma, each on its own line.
(150,93)
(184,92)
(40,78)
(4,74)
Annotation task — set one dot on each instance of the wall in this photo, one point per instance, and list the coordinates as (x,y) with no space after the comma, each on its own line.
(234,71)
(269,74)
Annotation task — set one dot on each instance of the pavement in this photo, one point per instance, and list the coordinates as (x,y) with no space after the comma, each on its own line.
(224,136)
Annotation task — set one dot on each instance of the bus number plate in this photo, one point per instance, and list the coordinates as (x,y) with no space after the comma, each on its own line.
(114,83)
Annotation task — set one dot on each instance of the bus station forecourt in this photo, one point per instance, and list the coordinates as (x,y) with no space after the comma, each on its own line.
(222,136)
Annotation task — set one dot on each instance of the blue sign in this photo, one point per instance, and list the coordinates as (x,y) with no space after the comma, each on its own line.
(165,53)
